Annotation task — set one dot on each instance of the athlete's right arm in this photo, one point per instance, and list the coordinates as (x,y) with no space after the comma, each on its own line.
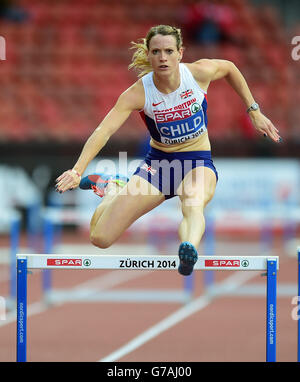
(132,99)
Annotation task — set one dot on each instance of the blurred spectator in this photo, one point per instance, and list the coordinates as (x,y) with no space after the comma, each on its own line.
(10,11)
(210,22)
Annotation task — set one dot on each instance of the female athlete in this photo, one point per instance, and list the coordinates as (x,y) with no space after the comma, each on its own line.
(171,98)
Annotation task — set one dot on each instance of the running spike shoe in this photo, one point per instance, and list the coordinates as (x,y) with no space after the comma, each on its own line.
(188,256)
(98,182)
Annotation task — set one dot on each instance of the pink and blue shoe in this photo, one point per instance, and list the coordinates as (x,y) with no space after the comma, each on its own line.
(188,256)
(98,182)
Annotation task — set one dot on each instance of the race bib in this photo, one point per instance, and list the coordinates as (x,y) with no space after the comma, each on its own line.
(180,125)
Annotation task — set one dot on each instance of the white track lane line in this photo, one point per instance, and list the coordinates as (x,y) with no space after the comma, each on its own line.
(229,284)
(103,282)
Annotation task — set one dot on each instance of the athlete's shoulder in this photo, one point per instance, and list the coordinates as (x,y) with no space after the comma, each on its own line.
(211,69)
(134,96)
(207,70)
(203,69)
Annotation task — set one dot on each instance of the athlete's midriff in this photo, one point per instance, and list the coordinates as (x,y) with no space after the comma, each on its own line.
(200,143)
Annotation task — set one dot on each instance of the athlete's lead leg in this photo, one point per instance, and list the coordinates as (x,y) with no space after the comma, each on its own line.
(196,190)
(121,209)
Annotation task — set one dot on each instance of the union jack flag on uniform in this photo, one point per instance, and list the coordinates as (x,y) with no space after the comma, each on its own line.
(186,93)
(149,169)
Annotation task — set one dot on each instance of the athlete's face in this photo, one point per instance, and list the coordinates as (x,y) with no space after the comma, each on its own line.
(163,54)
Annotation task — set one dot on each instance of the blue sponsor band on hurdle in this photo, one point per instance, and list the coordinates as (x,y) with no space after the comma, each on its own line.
(239,263)
(271,310)
(22,310)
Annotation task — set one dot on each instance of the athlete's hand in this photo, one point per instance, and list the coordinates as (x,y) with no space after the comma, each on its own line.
(67,181)
(265,126)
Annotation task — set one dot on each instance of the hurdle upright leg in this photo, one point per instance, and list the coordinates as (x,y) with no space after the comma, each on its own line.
(14,244)
(209,246)
(48,246)
(21,309)
(271,310)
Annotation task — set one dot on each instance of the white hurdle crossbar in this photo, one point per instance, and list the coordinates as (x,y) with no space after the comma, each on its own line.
(269,264)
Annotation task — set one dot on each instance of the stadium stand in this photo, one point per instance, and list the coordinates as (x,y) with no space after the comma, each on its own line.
(67,63)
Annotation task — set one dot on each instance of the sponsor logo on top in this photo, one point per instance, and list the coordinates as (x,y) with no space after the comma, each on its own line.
(156,104)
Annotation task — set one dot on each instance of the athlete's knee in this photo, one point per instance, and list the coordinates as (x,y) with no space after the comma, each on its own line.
(193,204)
(208,196)
(192,208)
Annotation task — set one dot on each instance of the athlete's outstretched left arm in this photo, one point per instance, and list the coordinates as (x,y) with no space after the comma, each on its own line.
(131,99)
(217,69)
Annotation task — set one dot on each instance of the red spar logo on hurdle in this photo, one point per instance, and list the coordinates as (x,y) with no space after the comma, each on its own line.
(65,262)
(222,263)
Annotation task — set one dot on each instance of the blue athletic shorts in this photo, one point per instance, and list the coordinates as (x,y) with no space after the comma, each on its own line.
(165,171)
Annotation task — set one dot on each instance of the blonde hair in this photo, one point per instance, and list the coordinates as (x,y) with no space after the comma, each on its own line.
(140,59)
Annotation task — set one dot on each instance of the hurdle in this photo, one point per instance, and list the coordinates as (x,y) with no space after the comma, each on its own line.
(54,218)
(268,264)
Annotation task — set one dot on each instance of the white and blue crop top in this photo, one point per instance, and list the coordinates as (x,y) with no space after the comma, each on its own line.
(178,116)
